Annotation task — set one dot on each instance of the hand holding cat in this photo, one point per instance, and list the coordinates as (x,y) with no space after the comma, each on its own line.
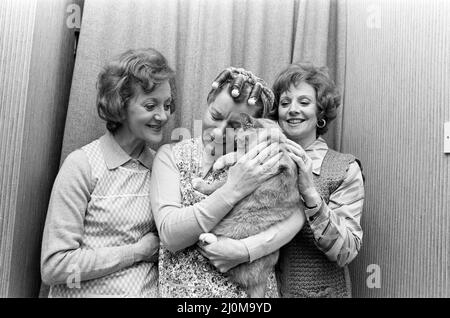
(224,253)
(246,140)
(252,170)
(200,185)
(305,175)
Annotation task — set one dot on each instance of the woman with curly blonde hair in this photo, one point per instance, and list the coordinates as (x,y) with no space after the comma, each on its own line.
(99,238)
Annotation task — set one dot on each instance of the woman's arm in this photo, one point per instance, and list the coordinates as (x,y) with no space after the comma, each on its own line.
(275,236)
(227,253)
(178,226)
(63,255)
(336,226)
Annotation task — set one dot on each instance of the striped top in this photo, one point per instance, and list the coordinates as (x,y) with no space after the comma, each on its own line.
(99,208)
(336,225)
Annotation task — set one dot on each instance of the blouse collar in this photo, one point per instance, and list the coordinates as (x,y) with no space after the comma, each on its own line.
(317,151)
(115,156)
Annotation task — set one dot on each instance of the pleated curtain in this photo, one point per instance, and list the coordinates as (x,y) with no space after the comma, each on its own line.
(200,38)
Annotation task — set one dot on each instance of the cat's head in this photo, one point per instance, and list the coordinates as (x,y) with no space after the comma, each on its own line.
(250,124)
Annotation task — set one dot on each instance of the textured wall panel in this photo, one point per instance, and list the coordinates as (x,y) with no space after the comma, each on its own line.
(37,56)
(396,101)
(16,37)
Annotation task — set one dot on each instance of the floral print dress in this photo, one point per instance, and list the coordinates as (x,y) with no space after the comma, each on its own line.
(187,273)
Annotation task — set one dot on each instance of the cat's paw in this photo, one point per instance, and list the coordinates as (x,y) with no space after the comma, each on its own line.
(207,238)
(198,184)
(202,186)
(226,160)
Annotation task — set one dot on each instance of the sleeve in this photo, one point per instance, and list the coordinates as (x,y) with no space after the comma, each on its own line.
(62,253)
(336,226)
(276,236)
(178,226)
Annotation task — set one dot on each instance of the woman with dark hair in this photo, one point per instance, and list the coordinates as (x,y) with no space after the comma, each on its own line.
(314,263)
(99,238)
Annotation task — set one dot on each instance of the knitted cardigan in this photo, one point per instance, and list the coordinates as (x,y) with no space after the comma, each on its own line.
(303,270)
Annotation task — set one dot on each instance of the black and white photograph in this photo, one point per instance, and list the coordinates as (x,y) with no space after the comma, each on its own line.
(247,150)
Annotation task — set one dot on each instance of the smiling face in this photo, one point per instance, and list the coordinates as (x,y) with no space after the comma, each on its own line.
(221,114)
(147,113)
(297,113)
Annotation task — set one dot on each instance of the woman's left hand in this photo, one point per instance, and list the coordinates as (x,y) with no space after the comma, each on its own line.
(225,253)
(305,176)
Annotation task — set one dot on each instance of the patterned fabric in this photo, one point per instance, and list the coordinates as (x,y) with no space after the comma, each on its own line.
(304,270)
(336,222)
(118,214)
(187,273)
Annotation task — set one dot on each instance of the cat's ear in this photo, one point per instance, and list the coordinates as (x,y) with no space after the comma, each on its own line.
(247,121)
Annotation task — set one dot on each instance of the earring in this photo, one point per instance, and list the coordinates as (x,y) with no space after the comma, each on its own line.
(323,125)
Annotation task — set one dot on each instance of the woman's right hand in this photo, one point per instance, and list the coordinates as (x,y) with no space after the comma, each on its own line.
(147,248)
(252,169)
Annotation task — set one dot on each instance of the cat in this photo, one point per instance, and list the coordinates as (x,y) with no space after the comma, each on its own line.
(273,201)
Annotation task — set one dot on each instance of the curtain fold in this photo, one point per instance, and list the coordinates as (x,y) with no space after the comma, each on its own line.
(320,37)
(199,38)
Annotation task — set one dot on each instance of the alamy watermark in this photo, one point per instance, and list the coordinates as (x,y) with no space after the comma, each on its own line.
(374,278)
(230,140)
(74,278)
(373,20)
(73,20)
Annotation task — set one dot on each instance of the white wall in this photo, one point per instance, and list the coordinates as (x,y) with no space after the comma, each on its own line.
(397,94)
(36,49)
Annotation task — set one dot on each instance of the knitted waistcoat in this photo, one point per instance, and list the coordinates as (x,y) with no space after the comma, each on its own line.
(303,270)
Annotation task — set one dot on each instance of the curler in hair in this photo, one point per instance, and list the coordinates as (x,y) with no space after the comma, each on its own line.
(221,78)
(236,85)
(255,94)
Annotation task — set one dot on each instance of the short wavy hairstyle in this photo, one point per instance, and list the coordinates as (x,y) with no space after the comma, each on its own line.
(328,96)
(117,81)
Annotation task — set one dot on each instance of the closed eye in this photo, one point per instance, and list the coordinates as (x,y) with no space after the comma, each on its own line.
(149,107)
(216,116)
(285,102)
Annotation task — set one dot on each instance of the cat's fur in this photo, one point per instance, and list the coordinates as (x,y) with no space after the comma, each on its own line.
(275,200)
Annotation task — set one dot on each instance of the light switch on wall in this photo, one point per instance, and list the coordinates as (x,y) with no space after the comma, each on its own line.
(447,137)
